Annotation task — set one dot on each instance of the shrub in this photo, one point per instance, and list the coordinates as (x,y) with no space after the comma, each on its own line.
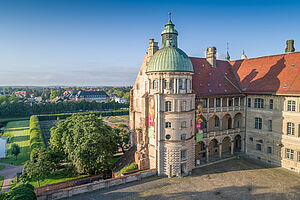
(36,138)
(131,167)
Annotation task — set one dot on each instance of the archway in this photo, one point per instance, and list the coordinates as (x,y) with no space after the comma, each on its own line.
(227,122)
(213,150)
(214,123)
(238,120)
(200,152)
(226,146)
(237,143)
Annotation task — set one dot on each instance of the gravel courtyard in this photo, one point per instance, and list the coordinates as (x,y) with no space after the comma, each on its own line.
(232,179)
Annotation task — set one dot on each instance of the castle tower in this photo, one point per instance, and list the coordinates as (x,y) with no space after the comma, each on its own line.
(171,116)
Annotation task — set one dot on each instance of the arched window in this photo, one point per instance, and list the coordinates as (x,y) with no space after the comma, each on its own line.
(217,121)
(165,84)
(168,106)
(168,124)
(154,85)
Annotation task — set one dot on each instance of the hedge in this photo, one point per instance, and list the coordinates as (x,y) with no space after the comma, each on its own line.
(36,138)
(98,113)
(131,167)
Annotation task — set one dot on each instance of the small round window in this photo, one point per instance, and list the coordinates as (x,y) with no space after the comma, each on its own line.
(168,137)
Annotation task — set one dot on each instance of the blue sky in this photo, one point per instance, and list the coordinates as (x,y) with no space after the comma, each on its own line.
(98,43)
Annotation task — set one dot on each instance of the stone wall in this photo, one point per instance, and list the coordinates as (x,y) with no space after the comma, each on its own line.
(71,191)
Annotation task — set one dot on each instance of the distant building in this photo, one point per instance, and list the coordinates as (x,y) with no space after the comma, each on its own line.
(98,96)
(22,94)
(118,99)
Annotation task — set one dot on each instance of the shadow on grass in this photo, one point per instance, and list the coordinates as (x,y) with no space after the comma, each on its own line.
(17,129)
(20,138)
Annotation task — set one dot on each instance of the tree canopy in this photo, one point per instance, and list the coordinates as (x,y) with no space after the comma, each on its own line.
(85,142)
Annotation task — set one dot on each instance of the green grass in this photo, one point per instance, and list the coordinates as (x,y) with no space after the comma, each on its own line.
(13,119)
(131,167)
(56,178)
(1,181)
(2,167)
(18,132)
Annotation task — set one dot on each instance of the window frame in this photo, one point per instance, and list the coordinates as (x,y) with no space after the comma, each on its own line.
(271,104)
(168,125)
(249,103)
(259,103)
(289,154)
(290,128)
(183,155)
(258,123)
(258,145)
(291,106)
(269,150)
(168,106)
(270,125)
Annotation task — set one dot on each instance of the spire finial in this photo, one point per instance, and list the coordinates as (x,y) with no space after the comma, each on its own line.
(227,57)
(169,15)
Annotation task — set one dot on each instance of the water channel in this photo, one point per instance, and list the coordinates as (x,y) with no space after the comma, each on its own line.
(3,141)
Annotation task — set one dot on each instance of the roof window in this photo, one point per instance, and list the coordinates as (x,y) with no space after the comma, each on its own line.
(285,85)
(220,84)
(199,73)
(200,84)
(210,74)
(225,90)
(292,66)
(209,90)
(208,84)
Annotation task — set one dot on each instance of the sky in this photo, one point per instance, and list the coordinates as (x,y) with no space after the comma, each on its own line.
(102,43)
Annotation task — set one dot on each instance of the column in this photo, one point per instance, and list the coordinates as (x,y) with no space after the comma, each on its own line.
(239,101)
(208,104)
(174,87)
(177,88)
(232,147)
(215,102)
(220,150)
(207,154)
(221,102)
(227,101)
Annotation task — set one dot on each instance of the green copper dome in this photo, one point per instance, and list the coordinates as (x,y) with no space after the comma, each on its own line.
(170,59)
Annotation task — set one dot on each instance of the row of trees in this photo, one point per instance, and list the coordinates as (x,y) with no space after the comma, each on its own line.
(81,144)
(12,106)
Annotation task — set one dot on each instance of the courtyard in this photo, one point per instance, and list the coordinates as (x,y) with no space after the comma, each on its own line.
(232,179)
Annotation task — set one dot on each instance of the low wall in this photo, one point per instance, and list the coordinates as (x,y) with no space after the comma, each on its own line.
(70,191)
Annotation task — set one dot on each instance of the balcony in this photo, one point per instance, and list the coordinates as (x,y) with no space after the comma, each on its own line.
(223,132)
(222,109)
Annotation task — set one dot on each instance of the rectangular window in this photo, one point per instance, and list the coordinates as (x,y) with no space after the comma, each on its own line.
(298,156)
(168,106)
(258,103)
(258,123)
(203,102)
(168,124)
(191,123)
(271,104)
(270,125)
(218,102)
(180,84)
(289,154)
(249,102)
(183,155)
(291,105)
(269,150)
(183,124)
(258,147)
(183,137)
(290,128)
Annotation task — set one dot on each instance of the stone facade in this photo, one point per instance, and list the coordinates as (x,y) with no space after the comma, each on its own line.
(181,118)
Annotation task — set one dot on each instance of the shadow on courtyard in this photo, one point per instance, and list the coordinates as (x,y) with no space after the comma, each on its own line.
(198,185)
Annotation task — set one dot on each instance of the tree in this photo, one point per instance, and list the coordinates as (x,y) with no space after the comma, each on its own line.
(86,142)
(15,150)
(122,136)
(39,167)
(20,192)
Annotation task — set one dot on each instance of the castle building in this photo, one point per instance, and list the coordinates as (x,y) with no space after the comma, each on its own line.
(188,111)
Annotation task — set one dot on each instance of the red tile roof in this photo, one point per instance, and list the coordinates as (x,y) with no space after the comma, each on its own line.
(208,80)
(269,74)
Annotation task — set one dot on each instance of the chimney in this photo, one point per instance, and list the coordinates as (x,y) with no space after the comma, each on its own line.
(289,46)
(153,47)
(211,55)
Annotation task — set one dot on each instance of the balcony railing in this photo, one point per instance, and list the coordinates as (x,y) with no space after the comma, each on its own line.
(223,132)
(222,109)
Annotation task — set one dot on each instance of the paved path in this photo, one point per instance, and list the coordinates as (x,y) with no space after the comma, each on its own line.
(8,173)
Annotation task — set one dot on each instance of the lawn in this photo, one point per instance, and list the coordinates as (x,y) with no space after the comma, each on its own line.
(18,132)
(13,119)
(2,167)
(56,178)
(1,181)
